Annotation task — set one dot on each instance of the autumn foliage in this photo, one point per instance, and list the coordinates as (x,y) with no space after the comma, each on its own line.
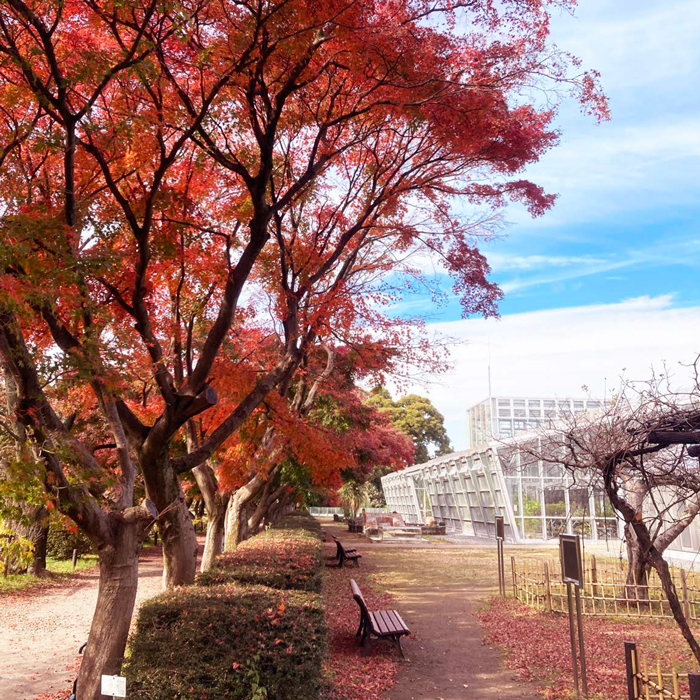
(200,196)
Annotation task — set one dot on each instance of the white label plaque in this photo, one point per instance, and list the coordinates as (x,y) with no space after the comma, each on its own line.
(114,686)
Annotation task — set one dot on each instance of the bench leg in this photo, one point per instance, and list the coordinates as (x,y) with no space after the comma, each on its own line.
(397,641)
(357,562)
(361,627)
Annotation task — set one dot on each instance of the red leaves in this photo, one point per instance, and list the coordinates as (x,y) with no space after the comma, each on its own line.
(537,645)
(351,675)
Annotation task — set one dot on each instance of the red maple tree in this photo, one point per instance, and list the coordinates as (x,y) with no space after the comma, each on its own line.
(154,160)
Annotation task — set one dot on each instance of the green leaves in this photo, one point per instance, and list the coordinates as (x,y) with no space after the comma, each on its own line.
(417,417)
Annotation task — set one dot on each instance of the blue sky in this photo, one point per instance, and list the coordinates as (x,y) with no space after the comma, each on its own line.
(623,238)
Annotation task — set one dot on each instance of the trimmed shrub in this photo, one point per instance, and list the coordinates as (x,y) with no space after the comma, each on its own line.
(276,558)
(299,520)
(230,641)
(61,541)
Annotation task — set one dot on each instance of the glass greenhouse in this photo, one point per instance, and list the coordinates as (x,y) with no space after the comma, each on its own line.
(466,490)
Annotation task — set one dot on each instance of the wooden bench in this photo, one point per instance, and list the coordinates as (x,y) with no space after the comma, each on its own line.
(344,554)
(383,624)
(355,526)
(347,549)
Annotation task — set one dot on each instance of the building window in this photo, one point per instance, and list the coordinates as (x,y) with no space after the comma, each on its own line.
(504,412)
(519,403)
(519,412)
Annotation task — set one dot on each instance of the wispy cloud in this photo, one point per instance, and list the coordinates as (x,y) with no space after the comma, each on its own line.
(557,352)
(502,261)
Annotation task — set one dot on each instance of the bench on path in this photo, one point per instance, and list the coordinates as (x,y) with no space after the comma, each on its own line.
(344,554)
(383,624)
(347,549)
(355,526)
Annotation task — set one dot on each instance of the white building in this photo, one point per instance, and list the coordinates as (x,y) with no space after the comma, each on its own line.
(466,490)
(537,499)
(503,417)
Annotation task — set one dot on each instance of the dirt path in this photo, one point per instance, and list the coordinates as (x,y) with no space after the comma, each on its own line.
(438,591)
(447,660)
(40,633)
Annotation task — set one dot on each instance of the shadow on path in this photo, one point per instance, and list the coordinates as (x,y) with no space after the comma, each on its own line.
(40,634)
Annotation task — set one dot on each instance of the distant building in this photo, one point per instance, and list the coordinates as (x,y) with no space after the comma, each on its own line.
(503,417)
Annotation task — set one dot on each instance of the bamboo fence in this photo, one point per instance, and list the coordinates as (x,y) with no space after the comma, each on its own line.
(605,590)
(653,683)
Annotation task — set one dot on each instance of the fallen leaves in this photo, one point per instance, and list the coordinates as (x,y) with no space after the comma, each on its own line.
(349,674)
(537,645)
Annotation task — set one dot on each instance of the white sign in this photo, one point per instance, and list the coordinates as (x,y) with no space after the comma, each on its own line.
(114,686)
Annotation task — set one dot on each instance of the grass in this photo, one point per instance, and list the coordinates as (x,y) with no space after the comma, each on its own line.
(61,569)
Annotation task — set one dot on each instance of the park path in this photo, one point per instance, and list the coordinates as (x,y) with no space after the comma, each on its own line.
(438,591)
(40,632)
(447,659)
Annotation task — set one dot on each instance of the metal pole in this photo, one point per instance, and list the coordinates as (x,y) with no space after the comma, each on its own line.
(581,648)
(631,668)
(572,634)
(694,683)
(503,569)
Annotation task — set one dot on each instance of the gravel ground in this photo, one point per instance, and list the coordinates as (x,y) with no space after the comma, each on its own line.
(40,632)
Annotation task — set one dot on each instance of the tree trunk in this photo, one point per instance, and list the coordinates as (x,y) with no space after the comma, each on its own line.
(179,546)
(279,508)
(39,536)
(637,568)
(661,566)
(267,499)
(175,525)
(647,548)
(215,504)
(236,522)
(214,544)
(116,596)
(36,531)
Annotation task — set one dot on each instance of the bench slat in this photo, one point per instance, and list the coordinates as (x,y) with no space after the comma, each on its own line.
(379,618)
(397,621)
(377,624)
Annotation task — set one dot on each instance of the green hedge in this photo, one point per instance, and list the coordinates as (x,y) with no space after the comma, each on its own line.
(231,641)
(61,541)
(299,520)
(232,638)
(275,558)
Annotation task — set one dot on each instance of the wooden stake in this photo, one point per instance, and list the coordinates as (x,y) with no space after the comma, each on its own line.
(594,576)
(684,590)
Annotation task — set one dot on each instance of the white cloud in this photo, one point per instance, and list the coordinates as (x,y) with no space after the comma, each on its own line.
(501,261)
(556,352)
(646,157)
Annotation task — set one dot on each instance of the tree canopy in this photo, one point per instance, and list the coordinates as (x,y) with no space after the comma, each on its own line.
(197,196)
(415,416)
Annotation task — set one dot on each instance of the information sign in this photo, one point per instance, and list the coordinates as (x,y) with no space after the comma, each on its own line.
(114,686)
(500,529)
(571,564)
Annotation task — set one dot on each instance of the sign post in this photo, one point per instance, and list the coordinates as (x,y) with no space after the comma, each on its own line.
(572,575)
(114,686)
(500,536)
